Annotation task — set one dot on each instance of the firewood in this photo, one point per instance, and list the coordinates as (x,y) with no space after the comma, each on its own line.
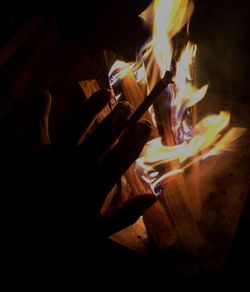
(155,218)
(29,82)
(186,228)
(20,39)
(194,173)
(149,100)
(66,58)
(89,87)
(176,194)
(77,72)
(134,95)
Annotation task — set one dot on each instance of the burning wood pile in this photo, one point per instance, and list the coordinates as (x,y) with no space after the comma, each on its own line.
(187,144)
(162,88)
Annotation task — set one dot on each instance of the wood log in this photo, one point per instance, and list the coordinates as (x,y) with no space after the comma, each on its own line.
(176,194)
(20,39)
(186,228)
(66,58)
(63,97)
(132,93)
(89,87)
(194,172)
(29,82)
(80,71)
(156,219)
(38,60)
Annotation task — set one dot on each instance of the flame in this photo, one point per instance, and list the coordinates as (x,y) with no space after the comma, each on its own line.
(205,133)
(118,70)
(197,142)
(165,18)
(207,141)
(185,94)
(170,17)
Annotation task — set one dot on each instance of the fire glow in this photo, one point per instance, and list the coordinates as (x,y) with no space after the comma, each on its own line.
(193,141)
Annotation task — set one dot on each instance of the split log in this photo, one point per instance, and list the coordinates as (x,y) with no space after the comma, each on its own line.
(65,60)
(20,39)
(132,93)
(155,218)
(194,172)
(186,228)
(29,82)
(176,194)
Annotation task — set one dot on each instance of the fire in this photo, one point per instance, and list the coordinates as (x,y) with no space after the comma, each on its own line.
(119,70)
(194,142)
(206,140)
(185,94)
(205,134)
(170,17)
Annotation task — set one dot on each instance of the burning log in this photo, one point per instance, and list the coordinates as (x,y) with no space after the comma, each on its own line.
(149,100)
(184,140)
(132,93)
(176,194)
(187,230)
(194,177)
(34,71)
(20,39)
(155,218)
(175,204)
(66,58)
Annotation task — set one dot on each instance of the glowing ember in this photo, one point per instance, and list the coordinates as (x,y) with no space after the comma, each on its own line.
(207,137)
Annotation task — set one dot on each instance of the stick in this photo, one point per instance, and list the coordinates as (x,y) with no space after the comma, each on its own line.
(149,100)
(132,92)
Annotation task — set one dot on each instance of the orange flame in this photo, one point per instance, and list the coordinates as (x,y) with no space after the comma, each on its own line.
(205,133)
(119,69)
(208,137)
(186,94)
(170,17)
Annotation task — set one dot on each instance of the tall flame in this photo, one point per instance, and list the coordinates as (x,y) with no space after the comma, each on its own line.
(206,138)
(186,94)
(165,18)
(170,16)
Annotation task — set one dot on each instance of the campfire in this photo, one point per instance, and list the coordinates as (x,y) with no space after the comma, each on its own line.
(162,88)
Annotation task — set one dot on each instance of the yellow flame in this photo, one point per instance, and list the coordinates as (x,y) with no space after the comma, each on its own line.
(207,141)
(205,134)
(226,142)
(119,69)
(209,136)
(165,18)
(186,94)
(169,18)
